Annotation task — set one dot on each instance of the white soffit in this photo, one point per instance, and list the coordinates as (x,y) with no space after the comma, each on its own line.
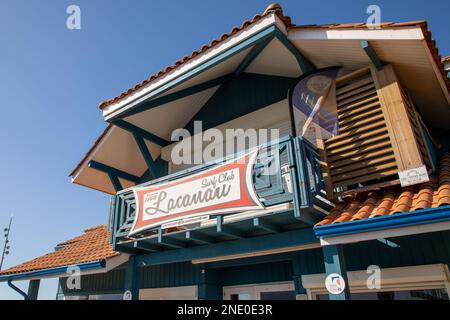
(94,179)
(275,60)
(118,150)
(147,92)
(404,48)
(162,120)
(222,69)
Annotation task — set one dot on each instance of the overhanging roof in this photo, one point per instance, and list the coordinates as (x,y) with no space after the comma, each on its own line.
(169,99)
(91,252)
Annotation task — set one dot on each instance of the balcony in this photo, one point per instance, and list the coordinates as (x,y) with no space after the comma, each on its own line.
(293,196)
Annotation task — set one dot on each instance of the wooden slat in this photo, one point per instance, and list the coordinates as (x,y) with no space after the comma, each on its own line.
(345,135)
(364,172)
(358,104)
(354,112)
(351,76)
(362,95)
(325,169)
(363,165)
(374,186)
(375,147)
(356,138)
(399,126)
(355,92)
(361,123)
(365,178)
(354,85)
(363,115)
(360,157)
(360,145)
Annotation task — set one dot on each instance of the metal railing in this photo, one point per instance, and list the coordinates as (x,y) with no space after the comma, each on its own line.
(295,177)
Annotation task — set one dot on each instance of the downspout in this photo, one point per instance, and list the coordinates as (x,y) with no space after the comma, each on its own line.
(12,286)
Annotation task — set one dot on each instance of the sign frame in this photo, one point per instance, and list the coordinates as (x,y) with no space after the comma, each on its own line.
(248,200)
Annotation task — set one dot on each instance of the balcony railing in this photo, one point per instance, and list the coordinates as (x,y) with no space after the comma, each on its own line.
(294,191)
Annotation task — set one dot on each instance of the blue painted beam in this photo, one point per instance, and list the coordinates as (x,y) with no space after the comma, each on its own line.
(251,56)
(245,44)
(110,170)
(172,97)
(115,182)
(146,155)
(305,64)
(146,247)
(199,237)
(241,246)
(33,289)
(227,230)
(265,225)
(141,132)
(165,240)
(131,278)
(371,54)
(333,257)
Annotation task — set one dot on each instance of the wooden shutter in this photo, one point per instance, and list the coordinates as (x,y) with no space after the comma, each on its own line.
(379,134)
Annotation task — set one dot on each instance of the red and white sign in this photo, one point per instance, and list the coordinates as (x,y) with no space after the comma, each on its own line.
(222,189)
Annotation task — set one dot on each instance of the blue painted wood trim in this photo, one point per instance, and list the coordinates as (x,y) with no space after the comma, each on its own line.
(297,272)
(172,97)
(131,278)
(399,220)
(371,54)
(251,56)
(141,132)
(47,272)
(110,170)
(305,64)
(246,245)
(33,289)
(146,155)
(115,182)
(333,257)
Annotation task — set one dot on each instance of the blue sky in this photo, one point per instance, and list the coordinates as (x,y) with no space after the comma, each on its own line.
(52,79)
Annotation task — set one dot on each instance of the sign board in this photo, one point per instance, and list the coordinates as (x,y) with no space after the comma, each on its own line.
(224,188)
(335,283)
(414,176)
(127,295)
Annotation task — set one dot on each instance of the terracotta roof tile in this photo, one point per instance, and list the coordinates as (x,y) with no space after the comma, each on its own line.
(393,200)
(92,246)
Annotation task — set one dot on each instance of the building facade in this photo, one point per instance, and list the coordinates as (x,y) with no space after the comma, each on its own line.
(346,195)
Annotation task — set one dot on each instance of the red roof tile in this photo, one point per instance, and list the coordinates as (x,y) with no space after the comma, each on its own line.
(92,246)
(393,200)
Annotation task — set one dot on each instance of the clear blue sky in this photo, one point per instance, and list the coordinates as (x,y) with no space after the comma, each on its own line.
(52,79)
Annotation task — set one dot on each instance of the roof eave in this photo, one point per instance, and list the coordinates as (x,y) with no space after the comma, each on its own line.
(172,77)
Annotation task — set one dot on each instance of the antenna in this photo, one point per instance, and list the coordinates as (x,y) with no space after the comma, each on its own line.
(6,247)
